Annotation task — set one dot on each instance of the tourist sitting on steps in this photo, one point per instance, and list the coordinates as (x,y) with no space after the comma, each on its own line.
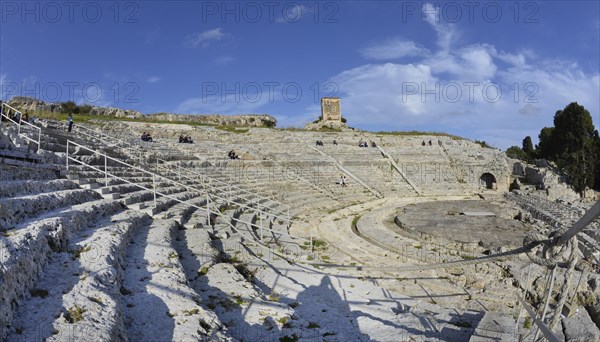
(185,139)
(335,142)
(319,143)
(232,155)
(373,144)
(146,137)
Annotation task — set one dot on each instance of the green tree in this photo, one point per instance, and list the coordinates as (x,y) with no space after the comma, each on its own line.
(70,107)
(597,146)
(85,109)
(528,147)
(483,144)
(574,147)
(546,148)
(516,152)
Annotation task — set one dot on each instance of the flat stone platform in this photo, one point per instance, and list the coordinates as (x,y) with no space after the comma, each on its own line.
(442,220)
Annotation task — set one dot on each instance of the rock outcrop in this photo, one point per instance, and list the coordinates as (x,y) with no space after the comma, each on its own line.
(30,104)
(116,112)
(251,120)
(335,125)
(547,178)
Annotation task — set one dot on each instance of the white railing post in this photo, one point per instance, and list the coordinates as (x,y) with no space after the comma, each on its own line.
(67,155)
(154,188)
(229,200)
(260,222)
(20,116)
(180,170)
(207,209)
(312,250)
(105,170)
(261,227)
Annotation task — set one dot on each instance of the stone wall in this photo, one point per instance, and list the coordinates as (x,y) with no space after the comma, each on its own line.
(546,178)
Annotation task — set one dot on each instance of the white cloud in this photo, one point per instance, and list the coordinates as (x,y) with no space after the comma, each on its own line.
(499,97)
(446,33)
(393,49)
(374,88)
(204,38)
(518,59)
(472,63)
(224,60)
(530,109)
(153,79)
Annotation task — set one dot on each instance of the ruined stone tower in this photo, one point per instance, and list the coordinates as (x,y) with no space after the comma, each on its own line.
(330,109)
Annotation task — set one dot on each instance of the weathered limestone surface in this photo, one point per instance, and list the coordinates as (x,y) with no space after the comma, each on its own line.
(30,104)
(140,267)
(545,177)
(581,328)
(249,120)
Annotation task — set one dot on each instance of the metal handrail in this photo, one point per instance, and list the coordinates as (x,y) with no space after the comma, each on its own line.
(244,205)
(239,189)
(20,123)
(155,192)
(541,325)
(346,171)
(240,204)
(127,147)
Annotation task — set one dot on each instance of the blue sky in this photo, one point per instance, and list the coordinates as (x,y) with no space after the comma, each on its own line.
(493,71)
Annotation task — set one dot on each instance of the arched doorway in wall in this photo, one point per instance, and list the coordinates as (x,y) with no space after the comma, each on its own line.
(488,180)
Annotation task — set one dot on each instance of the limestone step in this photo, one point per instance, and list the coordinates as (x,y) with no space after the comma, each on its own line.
(103,190)
(91,186)
(83,181)
(495,327)
(29,187)
(160,306)
(145,195)
(112,196)
(98,290)
(182,212)
(164,203)
(138,206)
(17,209)
(31,246)
(73,176)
